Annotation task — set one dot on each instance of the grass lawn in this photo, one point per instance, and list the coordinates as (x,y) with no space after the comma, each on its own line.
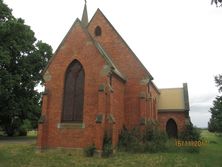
(25,155)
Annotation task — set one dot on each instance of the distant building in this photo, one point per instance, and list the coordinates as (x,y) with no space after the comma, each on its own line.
(94,82)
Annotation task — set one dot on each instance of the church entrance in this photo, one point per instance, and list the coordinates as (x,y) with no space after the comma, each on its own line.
(171,128)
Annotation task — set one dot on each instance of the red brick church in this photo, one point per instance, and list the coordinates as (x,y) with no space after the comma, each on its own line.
(94,81)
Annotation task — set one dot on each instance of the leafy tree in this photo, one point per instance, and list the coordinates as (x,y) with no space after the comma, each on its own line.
(22,59)
(218,81)
(215,123)
(217,2)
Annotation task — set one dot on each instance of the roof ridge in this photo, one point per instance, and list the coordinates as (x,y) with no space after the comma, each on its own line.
(170,88)
(109,60)
(105,55)
(60,45)
(98,10)
(102,52)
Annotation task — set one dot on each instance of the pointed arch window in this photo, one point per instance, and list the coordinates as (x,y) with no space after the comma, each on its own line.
(171,128)
(98,31)
(73,93)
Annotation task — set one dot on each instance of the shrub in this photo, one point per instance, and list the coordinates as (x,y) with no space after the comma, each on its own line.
(24,128)
(124,139)
(154,139)
(107,145)
(89,150)
(150,139)
(190,133)
(146,139)
(129,140)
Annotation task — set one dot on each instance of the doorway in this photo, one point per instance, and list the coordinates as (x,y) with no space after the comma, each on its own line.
(171,128)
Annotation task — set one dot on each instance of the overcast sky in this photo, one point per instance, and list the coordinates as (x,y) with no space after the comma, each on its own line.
(178,41)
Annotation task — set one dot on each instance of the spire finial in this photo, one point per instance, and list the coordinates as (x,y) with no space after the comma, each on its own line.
(85,16)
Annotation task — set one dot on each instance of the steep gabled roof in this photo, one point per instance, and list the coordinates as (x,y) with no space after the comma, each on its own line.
(155,87)
(101,50)
(99,11)
(105,55)
(77,21)
(109,61)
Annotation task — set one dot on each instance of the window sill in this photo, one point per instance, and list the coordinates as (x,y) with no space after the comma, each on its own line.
(70,125)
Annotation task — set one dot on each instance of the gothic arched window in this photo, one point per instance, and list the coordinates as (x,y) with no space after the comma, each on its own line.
(73,93)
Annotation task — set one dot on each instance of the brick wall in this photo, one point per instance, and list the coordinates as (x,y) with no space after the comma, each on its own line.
(178,117)
(117,108)
(77,45)
(126,62)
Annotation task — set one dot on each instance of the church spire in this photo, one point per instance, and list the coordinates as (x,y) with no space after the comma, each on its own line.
(85,16)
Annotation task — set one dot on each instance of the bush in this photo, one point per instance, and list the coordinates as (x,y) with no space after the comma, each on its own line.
(89,151)
(190,133)
(124,139)
(24,128)
(129,140)
(146,139)
(13,126)
(154,139)
(18,127)
(150,139)
(107,145)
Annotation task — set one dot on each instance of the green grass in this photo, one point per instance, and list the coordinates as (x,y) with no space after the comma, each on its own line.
(25,155)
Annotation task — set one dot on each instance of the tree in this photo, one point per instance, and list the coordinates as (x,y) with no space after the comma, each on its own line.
(218,81)
(217,2)
(215,123)
(22,59)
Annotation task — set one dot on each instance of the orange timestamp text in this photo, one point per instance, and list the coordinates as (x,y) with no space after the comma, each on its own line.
(193,143)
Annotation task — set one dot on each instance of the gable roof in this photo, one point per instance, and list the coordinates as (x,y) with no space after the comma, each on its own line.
(137,59)
(60,45)
(102,52)
(109,61)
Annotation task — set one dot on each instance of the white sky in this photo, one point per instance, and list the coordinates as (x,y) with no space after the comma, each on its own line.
(178,41)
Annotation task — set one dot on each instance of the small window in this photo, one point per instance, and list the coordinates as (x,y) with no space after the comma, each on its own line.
(98,31)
